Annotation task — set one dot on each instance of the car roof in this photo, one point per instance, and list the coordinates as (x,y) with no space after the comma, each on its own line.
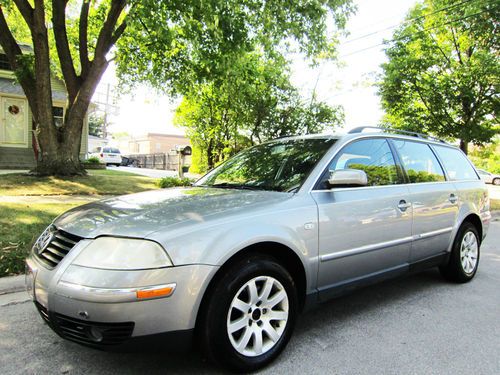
(382,133)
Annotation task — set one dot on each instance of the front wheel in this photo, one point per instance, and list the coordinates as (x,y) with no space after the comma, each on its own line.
(249,315)
(496,181)
(464,257)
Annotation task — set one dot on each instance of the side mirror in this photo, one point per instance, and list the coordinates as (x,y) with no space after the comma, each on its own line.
(348,177)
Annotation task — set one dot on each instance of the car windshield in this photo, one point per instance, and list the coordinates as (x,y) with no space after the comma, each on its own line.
(280,165)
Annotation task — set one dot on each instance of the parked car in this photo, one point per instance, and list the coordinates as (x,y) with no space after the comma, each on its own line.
(108,155)
(278,228)
(488,177)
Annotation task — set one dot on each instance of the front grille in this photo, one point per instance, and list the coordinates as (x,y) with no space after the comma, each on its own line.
(95,334)
(53,245)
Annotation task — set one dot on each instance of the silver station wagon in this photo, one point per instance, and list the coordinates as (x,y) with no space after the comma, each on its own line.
(230,262)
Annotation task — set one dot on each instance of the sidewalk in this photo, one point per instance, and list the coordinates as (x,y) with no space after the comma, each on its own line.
(10,171)
(12,291)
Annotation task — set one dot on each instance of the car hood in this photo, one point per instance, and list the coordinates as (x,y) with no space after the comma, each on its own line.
(137,215)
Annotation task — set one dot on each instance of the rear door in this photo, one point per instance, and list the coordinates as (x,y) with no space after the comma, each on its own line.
(364,232)
(433,198)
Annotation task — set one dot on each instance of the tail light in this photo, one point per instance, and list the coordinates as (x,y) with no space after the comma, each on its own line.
(102,155)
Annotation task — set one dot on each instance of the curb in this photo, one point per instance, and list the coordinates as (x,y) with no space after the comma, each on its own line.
(11,284)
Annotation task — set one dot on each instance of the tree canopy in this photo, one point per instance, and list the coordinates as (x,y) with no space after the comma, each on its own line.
(443,72)
(171,45)
(254,102)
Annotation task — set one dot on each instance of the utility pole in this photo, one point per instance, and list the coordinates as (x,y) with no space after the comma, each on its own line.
(106,109)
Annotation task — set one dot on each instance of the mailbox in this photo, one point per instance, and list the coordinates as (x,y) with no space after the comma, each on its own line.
(184,150)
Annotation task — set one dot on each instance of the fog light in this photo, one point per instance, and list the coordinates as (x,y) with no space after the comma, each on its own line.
(96,334)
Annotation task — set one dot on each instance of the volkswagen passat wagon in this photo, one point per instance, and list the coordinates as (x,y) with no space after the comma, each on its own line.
(232,260)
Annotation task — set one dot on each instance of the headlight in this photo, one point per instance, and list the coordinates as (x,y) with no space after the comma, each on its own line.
(122,254)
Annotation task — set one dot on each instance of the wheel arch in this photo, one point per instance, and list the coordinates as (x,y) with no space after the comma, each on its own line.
(280,252)
(475,220)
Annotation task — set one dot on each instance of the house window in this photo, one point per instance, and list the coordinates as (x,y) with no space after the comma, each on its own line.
(4,62)
(58,114)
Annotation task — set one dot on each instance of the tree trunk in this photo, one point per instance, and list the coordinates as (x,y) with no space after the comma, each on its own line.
(464,146)
(61,155)
(210,155)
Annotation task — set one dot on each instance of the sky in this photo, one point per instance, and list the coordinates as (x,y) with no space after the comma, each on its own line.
(348,82)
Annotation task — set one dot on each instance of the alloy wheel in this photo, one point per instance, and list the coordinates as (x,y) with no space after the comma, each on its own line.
(469,252)
(257,316)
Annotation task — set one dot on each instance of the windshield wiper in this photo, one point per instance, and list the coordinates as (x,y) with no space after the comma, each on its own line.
(225,185)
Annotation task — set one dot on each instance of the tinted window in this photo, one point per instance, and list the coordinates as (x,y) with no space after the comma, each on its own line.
(111,150)
(373,156)
(456,163)
(419,161)
(281,165)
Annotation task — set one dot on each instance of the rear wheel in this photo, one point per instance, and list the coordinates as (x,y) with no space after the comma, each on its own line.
(464,258)
(249,315)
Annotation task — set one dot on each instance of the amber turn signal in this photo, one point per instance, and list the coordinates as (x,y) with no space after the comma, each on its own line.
(156,292)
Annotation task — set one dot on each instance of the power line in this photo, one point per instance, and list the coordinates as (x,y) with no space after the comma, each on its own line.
(420,31)
(405,22)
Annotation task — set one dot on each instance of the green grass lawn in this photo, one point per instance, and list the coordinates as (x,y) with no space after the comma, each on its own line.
(97,182)
(20,226)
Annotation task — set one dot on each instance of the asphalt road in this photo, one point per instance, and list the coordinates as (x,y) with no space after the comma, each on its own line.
(415,325)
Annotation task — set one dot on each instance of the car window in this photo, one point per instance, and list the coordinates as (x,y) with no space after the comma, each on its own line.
(111,150)
(97,149)
(484,173)
(373,156)
(419,161)
(456,163)
(281,165)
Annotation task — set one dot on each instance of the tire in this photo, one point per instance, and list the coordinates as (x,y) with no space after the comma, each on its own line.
(496,181)
(223,307)
(464,258)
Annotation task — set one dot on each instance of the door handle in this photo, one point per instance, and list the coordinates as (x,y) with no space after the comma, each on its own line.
(453,198)
(403,205)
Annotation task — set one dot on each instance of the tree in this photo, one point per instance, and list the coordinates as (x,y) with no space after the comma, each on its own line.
(254,102)
(60,145)
(169,44)
(443,69)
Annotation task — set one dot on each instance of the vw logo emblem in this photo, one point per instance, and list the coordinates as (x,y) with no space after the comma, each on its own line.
(45,239)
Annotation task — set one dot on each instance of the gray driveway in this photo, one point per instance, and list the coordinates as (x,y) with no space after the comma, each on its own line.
(416,325)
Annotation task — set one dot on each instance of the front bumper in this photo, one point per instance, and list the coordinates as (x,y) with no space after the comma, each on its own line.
(73,299)
(114,336)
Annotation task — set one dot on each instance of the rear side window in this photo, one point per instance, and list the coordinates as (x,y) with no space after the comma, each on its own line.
(419,161)
(456,164)
(373,156)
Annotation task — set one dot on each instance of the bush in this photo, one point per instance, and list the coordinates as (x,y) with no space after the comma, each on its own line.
(92,160)
(487,157)
(168,182)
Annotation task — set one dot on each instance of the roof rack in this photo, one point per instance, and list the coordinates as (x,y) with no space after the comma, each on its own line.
(360,129)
